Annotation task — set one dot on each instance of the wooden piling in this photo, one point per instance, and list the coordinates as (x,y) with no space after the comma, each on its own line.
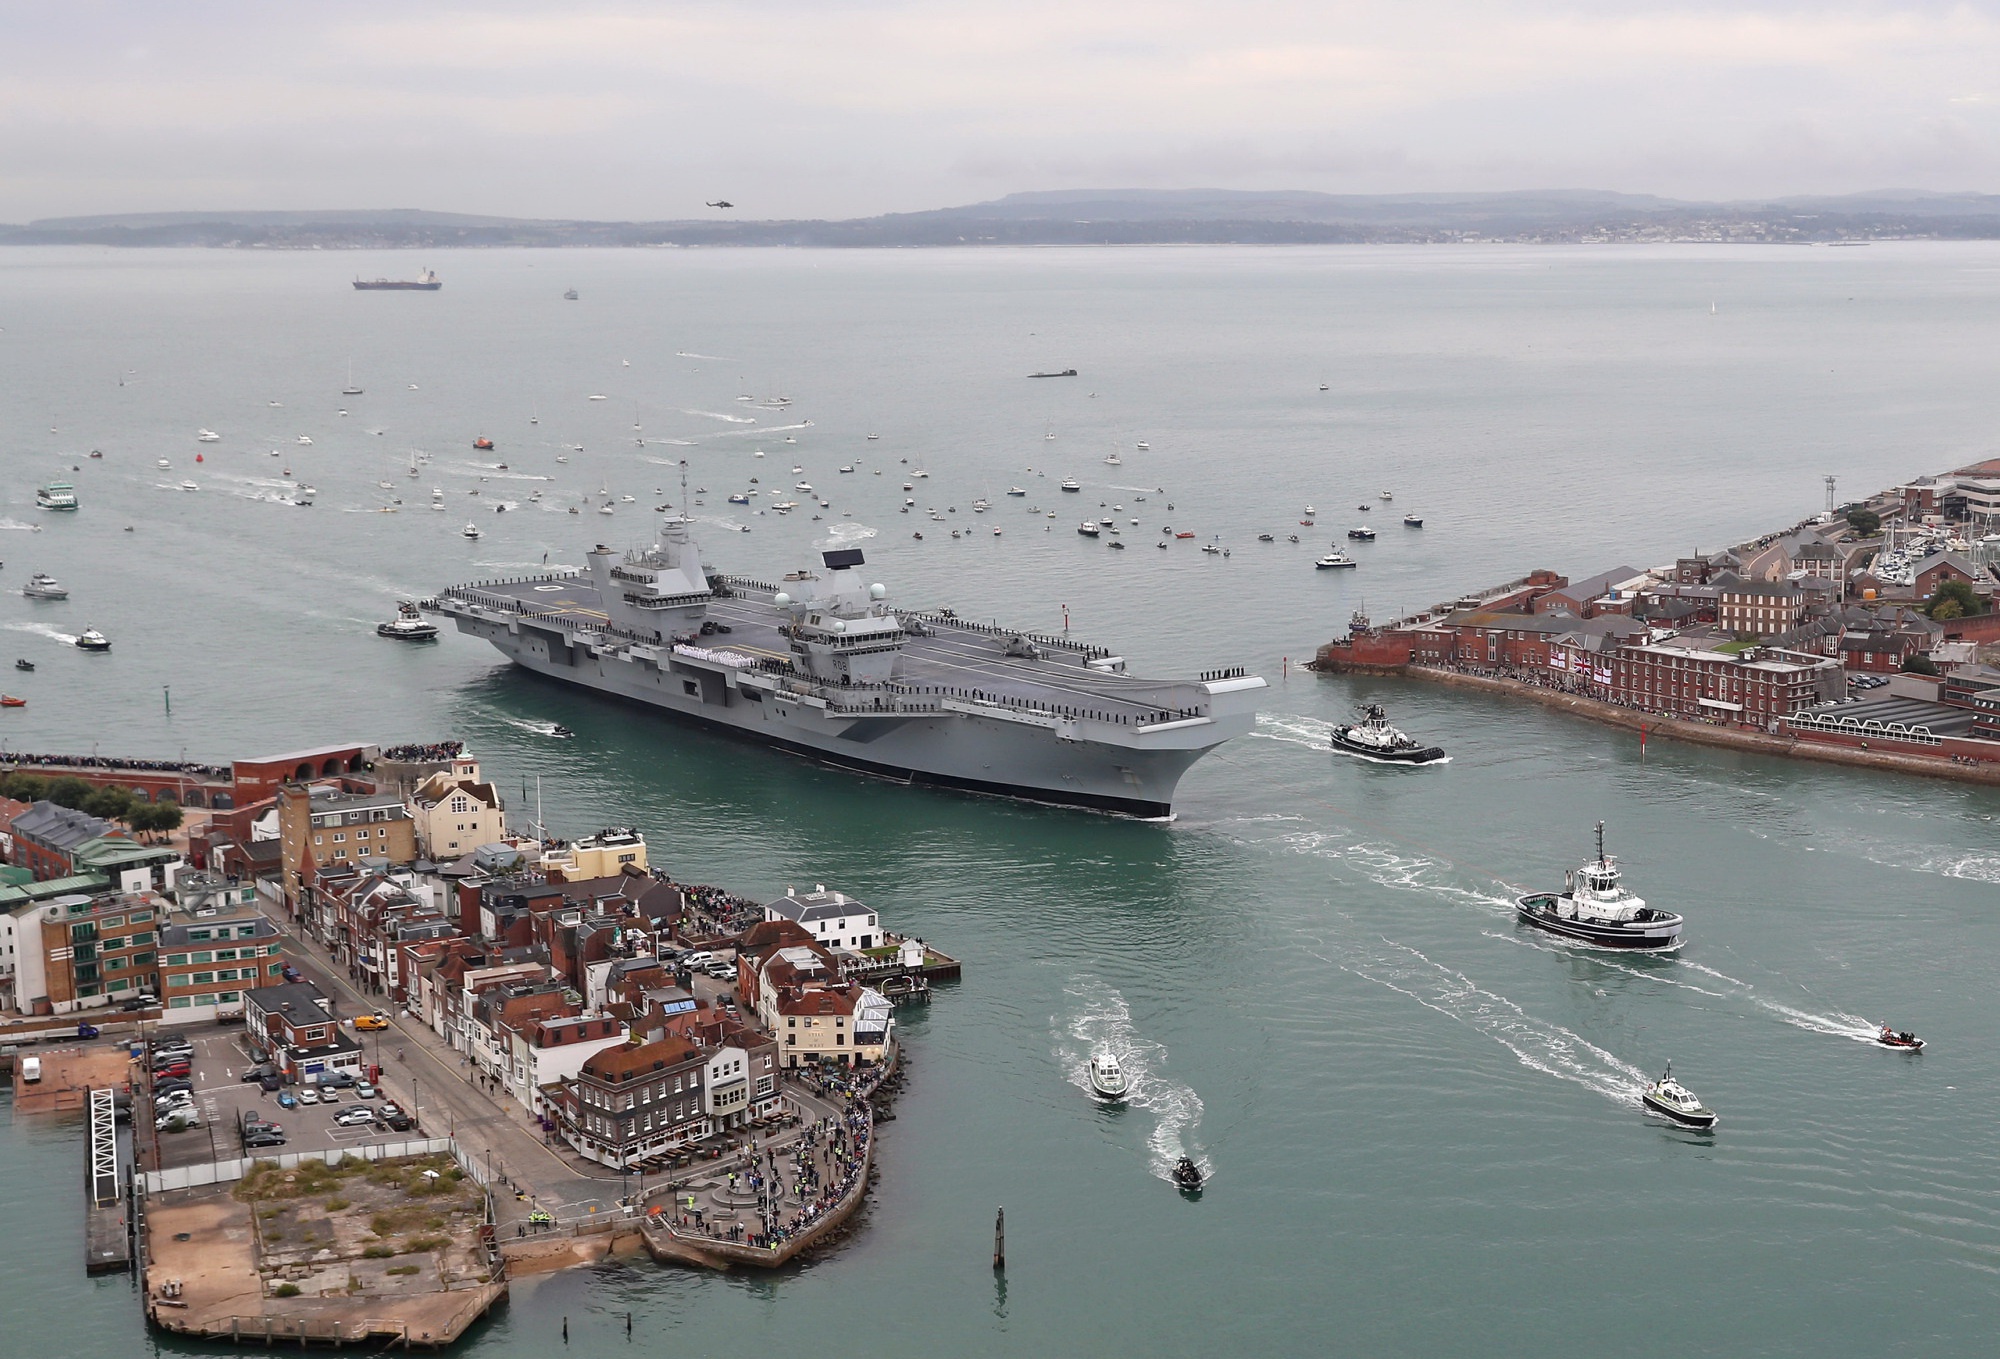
(1000,1239)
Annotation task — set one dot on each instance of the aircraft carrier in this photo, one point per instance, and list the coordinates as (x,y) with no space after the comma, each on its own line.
(823,666)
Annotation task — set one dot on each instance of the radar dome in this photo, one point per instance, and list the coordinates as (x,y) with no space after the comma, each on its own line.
(781,599)
(837,625)
(878,591)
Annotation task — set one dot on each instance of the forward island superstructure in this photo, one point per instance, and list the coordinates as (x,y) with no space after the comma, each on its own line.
(822,665)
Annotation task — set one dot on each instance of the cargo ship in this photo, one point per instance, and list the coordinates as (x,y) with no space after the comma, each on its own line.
(821,665)
(426,282)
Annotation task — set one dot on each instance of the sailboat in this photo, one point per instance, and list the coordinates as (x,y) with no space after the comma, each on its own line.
(350,389)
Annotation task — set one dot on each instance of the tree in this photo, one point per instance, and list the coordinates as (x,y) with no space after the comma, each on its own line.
(166,815)
(1865,522)
(25,787)
(1916,663)
(1958,597)
(70,791)
(112,803)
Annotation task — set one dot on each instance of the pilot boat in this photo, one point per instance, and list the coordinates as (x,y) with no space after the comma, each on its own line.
(408,625)
(1107,1078)
(1088,528)
(1595,908)
(1671,1100)
(472,530)
(1372,738)
(92,640)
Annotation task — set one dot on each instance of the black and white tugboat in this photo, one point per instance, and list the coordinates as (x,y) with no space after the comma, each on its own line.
(1902,1040)
(1671,1100)
(1372,738)
(1595,908)
(409,625)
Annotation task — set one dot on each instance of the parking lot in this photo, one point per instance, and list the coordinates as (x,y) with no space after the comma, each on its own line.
(221,1057)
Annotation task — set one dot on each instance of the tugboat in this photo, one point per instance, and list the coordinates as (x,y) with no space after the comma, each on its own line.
(1372,738)
(1107,1078)
(1595,908)
(408,625)
(1903,1040)
(1187,1175)
(1671,1100)
(93,640)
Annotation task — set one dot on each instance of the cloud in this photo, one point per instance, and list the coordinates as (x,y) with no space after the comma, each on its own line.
(858,106)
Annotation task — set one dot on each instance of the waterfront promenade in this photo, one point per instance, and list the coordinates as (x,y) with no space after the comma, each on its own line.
(1698,733)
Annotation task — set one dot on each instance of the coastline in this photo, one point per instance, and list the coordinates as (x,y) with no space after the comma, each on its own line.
(1679,729)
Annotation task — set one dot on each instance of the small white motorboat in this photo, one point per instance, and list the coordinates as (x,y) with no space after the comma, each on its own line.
(207,436)
(471,530)
(1107,1078)
(305,438)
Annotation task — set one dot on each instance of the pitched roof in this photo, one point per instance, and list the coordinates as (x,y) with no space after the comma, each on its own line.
(62,828)
(627,1063)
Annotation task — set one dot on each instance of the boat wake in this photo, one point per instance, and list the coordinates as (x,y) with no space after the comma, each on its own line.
(711,358)
(1102,1022)
(43,630)
(845,535)
(1385,866)
(536,728)
(732,525)
(761,431)
(19,527)
(729,416)
(1536,1043)
(1837,1023)
(1294,730)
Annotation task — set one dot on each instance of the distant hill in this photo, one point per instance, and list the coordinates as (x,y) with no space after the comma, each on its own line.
(1097,217)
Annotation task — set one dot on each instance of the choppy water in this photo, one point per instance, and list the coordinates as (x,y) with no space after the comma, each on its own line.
(1421,1122)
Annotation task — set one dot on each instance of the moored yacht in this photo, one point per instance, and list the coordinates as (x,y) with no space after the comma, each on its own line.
(1671,1100)
(1595,908)
(1107,1078)
(1335,560)
(1372,738)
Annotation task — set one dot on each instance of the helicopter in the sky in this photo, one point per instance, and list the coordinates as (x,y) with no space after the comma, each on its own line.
(721,203)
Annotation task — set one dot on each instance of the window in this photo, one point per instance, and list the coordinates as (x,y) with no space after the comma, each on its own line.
(174,959)
(203,958)
(138,916)
(114,965)
(224,955)
(275,970)
(140,939)
(202,978)
(179,1002)
(319,839)
(142,960)
(230,995)
(112,922)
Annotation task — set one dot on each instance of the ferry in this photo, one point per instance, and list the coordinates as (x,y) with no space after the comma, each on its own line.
(57,495)
(1595,908)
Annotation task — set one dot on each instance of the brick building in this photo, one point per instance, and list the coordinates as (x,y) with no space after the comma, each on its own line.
(1759,608)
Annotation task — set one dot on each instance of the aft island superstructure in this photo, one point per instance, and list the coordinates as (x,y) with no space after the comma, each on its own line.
(822,665)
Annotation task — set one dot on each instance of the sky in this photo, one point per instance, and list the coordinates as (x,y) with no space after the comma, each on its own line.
(841,108)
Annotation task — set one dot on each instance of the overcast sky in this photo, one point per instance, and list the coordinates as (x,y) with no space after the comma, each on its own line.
(834,108)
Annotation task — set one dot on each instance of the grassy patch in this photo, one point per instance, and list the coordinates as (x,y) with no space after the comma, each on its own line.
(404,1269)
(377,1252)
(421,1245)
(285,1290)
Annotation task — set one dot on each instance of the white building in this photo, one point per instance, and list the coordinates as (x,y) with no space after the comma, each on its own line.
(834,919)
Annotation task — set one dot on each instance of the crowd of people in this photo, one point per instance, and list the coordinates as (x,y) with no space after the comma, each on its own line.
(817,1174)
(432,752)
(192,768)
(711,912)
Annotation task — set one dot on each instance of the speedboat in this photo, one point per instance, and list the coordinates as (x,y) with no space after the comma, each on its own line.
(1186,1175)
(305,438)
(1362,535)
(1595,908)
(1372,738)
(1413,521)
(9,701)
(163,463)
(1266,538)
(1071,484)
(207,436)
(1107,1078)
(409,625)
(1387,495)
(1671,1100)
(1333,561)
(189,486)
(44,586)
(471,530)
(92,640)
(24,664)
(1903,1040)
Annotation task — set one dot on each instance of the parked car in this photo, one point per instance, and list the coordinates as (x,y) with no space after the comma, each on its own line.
(287,1100)
(722,970)
(337,1080)
(694,962)
(363,1090)
(398,1122)
(173,1069)
(177,1120)
(371,1023)
(354,1116)
(263,1137)
(179,1099)
(86,1031)
(305,1094)
(171,1084)
(259,1072)
(270,1082)
(389,1109)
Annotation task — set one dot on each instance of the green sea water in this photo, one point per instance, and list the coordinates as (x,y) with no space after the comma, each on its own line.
(1421,1123)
